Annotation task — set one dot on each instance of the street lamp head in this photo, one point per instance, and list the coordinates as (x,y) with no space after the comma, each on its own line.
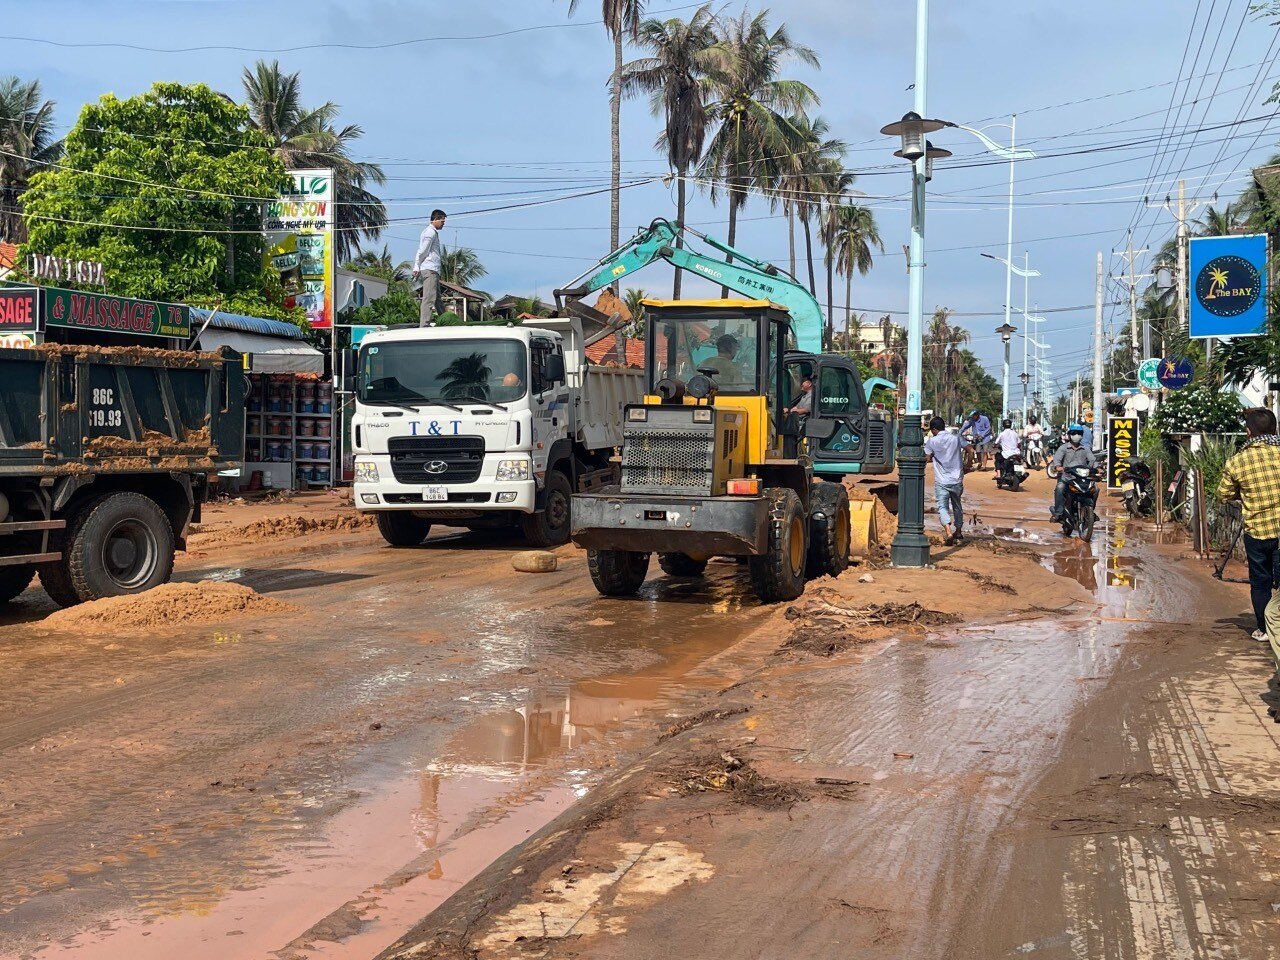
(1024,377)
(911,128)
(1006,330)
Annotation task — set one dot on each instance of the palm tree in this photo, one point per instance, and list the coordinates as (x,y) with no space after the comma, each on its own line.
(813,170)
(753,107)
(622,22)
(467,377)
(461,265)
(380,263)
(309,137)
(853,234)
(635,305)
(26,137)
(674,77)
(1219,223)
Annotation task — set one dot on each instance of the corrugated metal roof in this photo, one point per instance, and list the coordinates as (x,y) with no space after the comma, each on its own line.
(238,321)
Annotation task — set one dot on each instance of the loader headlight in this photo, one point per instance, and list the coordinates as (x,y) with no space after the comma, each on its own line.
(701,414)
(366,471)
(513,469)
(637,413)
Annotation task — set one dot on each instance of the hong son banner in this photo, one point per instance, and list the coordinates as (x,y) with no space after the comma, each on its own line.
(299,232)
(1122,443)
(1228,286)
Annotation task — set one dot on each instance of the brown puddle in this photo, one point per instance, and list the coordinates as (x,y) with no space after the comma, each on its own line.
(419,829)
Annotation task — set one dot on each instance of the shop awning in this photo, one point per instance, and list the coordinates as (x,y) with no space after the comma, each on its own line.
(277,347)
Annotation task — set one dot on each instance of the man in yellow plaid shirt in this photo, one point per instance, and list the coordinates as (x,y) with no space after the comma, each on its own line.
(1252,476)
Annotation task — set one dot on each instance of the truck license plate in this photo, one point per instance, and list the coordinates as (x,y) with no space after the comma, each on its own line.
(435,493)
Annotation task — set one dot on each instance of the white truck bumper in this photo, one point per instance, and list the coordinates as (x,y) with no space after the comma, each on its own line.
(484,495)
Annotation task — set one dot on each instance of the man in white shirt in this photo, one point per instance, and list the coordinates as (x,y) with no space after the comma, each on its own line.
(426,266)
(1008,443)
(946,451)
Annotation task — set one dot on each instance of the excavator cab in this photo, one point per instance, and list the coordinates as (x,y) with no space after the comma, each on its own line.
(715,461)
(830,387)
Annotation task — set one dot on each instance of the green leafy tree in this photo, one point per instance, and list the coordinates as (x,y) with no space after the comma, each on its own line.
(634,300)
(853,234)
(381,264)
(397,306)
(310,138)
(1199,408)
(28,145)
(156,188)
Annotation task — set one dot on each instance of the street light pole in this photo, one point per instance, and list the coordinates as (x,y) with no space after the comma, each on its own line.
(1006,332)
(910,546)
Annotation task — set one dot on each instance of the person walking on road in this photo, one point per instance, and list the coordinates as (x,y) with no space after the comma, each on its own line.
(426,267)
(945,451)
(979,427)
(1252,476)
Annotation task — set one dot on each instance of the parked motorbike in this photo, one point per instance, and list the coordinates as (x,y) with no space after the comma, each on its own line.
(1013,470)
(1078,516)
(1135,487)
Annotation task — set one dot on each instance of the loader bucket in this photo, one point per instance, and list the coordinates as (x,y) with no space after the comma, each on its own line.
(862,523)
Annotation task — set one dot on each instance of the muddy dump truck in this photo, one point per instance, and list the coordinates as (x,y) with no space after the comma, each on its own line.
(106,454)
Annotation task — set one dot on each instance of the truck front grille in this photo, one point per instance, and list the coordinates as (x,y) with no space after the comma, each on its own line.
(436,459)
(667,461)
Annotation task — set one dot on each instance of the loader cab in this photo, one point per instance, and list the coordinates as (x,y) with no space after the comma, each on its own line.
(837,395)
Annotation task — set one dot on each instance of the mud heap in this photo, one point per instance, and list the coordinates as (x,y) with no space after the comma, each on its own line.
(168,605)
(290,526)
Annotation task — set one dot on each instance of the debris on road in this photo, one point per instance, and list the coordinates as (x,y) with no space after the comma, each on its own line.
(287,526)
(535,561)
(170,604)
(738,778)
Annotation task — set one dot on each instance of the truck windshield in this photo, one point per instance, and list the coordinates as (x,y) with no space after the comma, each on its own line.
(730,346)
(416,370)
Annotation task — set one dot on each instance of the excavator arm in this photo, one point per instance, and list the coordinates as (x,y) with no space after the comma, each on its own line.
(745,275)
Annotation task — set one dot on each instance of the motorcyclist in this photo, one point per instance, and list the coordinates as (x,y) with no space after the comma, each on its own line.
(1033,435)
(978,427)
(1068,456)
(1007,444)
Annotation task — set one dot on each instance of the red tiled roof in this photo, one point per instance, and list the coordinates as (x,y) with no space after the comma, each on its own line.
(8,255)
(605,350)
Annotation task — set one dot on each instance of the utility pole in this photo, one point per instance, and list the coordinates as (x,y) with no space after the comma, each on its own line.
(1186,210)
(1131,255)
(1097,361)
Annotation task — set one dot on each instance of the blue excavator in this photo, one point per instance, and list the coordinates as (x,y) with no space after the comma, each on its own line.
(863,441)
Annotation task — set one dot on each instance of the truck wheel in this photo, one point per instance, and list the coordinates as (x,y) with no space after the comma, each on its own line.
(14,579)
(829,533)
(550,526)
(778,574)
(617,573)
(402,529)
(123,545)
(681,565)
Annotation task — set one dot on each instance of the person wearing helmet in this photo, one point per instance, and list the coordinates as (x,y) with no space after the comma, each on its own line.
(1071,454)
(1008,444)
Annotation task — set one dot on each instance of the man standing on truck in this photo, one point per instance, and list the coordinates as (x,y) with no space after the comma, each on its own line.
(426,267)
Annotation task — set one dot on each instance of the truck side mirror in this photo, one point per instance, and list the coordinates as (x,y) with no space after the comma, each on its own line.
(555,368)
(348,384)
(819,428)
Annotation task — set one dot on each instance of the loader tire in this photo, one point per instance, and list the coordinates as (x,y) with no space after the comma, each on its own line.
(124,545)
(681,565)
(14,580)
(550,526)
(829,530)
(778,574)
(401,528)
(617,573)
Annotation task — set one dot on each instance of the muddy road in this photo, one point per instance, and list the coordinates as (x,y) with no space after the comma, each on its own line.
(1063,751)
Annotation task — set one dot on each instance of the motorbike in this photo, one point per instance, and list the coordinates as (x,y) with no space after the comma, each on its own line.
(1078,516)
(1013,470)
(1035,452)
(1135,487)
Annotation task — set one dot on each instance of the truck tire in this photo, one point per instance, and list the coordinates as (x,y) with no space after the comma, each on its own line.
(401,528)
(681,565)
(55,577)
(15,579)
(778,574)
(123,545)
(617,573)
(829,533)
(550,526)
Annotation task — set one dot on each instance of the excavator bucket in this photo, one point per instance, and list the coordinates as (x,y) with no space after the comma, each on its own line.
(862,524)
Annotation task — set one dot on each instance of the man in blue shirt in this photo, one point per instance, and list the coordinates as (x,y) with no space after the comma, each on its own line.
(946,452)
(980,427)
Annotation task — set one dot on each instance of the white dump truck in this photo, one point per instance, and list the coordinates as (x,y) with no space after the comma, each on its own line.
(484,426)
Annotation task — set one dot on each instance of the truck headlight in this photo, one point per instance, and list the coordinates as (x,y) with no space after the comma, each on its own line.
(513,469)
(366,471)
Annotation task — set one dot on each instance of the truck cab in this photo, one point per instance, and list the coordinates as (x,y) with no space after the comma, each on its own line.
(482,426)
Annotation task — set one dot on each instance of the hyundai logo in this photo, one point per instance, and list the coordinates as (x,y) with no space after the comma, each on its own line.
(436,466)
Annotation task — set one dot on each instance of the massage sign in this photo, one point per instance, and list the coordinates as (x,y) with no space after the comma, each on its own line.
(120,315)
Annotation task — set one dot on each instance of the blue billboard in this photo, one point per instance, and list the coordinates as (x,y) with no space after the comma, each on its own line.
(1228,286)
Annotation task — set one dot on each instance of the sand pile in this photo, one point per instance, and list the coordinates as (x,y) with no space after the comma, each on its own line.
(289,526)
(170,604)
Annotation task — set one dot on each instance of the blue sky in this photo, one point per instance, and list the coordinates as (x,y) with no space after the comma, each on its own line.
(472,123)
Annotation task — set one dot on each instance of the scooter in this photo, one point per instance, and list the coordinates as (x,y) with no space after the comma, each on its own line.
(1135,486)
(1012,472)
(1035,453)
(1078,516)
